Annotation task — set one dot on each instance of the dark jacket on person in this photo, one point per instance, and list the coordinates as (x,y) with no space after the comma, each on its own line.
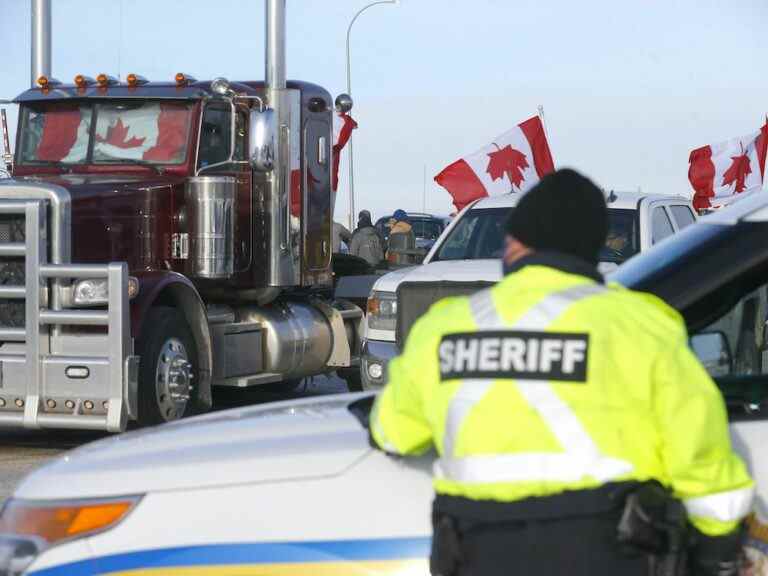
(366,243)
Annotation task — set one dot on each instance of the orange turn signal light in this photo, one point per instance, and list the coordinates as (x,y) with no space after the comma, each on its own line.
(60,521)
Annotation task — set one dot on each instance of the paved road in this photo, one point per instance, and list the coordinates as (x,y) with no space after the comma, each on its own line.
(21,452)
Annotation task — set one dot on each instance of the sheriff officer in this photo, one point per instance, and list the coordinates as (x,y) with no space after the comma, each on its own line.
(548,397)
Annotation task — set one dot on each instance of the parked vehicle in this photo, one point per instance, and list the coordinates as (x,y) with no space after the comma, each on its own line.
(426,227)
(296,485)
(158,239)
(467,255)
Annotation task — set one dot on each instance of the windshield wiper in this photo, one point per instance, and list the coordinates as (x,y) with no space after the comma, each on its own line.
(67,166)
(137,162)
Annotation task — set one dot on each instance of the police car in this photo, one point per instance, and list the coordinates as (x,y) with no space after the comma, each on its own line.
(466,257)
(295,488)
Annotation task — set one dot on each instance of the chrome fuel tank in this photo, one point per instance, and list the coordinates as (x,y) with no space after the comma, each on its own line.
(297,338)
(210,202)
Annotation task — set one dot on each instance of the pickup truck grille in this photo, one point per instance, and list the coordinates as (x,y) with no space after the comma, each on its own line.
(12,271)
(415,298)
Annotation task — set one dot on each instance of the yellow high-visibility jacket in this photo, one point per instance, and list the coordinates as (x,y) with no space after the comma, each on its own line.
(550,381)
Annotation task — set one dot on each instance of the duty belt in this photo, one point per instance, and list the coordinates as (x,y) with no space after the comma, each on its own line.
(571,503)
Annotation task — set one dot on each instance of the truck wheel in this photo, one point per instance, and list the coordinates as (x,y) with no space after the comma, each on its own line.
(353,378)
(167,369)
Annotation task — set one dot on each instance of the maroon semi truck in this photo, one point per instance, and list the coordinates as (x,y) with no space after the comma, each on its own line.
(161,238)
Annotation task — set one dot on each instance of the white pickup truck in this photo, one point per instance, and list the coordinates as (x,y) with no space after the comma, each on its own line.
(467,255)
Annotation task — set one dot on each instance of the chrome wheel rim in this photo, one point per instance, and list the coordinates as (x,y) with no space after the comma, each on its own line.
(173,379)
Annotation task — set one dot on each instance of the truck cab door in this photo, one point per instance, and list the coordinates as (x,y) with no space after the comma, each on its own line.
(213,148)
(316,175)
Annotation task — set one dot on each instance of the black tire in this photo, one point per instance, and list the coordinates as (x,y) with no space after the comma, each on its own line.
(164,327)
(352,377)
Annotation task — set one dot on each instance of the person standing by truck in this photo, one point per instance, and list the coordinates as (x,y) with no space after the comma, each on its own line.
(366,242)
(402,240)
(550,398)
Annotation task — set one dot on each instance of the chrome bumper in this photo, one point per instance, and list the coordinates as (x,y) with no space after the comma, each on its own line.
(52,373)
(376,352)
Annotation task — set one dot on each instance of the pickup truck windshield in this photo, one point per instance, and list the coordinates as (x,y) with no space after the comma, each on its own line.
(105,133)
(480,234)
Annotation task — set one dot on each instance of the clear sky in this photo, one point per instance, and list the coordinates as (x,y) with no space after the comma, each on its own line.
(629,87)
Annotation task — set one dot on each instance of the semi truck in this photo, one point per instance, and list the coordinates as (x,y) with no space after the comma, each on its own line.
(158,239)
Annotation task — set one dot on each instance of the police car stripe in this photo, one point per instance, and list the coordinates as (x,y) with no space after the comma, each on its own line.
(581,456)
(353,555)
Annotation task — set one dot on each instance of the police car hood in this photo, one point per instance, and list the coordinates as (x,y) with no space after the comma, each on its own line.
(294,440)
(487,270)
(451,270)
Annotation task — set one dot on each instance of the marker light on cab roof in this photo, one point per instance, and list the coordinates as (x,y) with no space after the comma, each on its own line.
(136,80)
(81,81)
(105,80)
(44,82)
(63,520)
(184,79)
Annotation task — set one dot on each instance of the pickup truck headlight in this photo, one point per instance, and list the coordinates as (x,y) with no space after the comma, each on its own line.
(51,522)
(382,311)
(95,292)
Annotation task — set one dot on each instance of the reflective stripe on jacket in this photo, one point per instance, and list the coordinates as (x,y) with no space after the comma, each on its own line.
(550,381)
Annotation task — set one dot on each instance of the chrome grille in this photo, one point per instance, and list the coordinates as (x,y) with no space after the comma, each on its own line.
(12,312)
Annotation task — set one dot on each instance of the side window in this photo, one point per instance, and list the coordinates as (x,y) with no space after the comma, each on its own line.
(734,350)
(683,216)
(215,135)
(661,226)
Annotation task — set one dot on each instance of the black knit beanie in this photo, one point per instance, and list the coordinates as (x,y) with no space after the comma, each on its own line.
(564,212)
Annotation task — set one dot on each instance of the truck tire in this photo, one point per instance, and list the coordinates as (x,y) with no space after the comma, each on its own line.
(352,377)
(168,367)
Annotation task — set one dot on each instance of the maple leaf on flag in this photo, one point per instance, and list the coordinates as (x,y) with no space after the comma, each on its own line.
(507,161)
(738,171)
(117,134)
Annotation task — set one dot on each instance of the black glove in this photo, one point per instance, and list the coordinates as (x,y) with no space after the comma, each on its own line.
(717,555)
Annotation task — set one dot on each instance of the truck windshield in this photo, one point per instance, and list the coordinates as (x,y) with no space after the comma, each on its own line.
(105,133)
(480,234)
(623,240)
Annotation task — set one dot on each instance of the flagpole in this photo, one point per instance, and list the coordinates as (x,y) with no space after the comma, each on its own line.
(546,132)
(424,190)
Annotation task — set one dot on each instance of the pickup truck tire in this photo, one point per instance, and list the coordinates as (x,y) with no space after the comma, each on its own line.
(168,367)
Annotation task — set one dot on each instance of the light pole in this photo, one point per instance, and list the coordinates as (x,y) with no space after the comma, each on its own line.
(349,91)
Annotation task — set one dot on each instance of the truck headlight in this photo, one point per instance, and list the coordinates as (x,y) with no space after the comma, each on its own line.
(51,522)
(95,292)
(382,311)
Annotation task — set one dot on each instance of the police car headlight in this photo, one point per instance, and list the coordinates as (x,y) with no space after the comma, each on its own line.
(382,311)
(95,292)
(54,521)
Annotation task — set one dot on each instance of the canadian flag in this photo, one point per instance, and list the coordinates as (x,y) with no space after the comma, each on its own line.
(514,161)
(343,124)
(720,171)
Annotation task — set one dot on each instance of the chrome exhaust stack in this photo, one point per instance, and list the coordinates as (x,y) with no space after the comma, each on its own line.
(41,40)
(275,49)
(283,268)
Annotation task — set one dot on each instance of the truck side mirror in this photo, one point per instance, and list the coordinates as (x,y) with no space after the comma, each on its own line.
(713,351)
(262,139)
